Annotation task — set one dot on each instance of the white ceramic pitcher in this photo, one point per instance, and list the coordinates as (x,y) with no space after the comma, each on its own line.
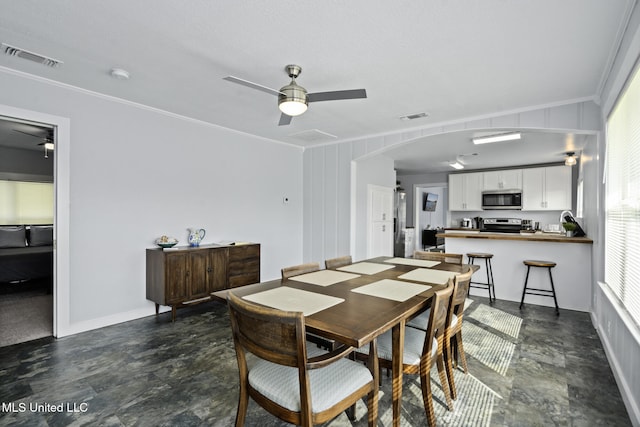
(196,235)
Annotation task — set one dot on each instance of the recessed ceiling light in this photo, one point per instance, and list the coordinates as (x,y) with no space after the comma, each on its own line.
(497,138)
(119,73)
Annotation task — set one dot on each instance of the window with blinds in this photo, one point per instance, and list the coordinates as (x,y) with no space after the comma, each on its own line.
(622,204)
(26,202)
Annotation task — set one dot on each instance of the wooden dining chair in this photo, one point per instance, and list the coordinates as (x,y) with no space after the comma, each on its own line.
(296,270)
(284,380)
(334,263)
(454,330)
(439,256)
(423,349)
(455,349)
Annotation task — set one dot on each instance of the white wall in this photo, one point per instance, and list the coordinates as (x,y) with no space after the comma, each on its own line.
(619,335)
(136,173)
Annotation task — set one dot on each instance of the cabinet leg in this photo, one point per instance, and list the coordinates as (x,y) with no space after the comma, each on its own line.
(173,313)
(157,309)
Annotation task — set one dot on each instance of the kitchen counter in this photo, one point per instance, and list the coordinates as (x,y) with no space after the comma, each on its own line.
(572,274)
(531,237)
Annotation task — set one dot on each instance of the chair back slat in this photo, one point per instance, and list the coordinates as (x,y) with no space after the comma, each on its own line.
(270,334)
(438,316)
(462,289)
(334,263)
(296,270)
(439,256)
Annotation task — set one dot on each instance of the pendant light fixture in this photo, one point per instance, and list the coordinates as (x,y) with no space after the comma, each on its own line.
(570,160)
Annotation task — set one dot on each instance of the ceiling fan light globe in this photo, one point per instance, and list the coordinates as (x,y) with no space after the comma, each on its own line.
(292,108)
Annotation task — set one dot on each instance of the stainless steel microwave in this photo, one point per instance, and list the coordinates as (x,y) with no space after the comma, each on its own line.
(502,199)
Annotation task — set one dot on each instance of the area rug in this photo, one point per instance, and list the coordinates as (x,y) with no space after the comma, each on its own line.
(25,318)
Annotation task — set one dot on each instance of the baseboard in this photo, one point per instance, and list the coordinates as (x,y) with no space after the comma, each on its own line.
(114,319)
(626,391)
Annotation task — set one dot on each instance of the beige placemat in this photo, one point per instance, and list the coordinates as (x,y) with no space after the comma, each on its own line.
(428,275)
(292,299)
(324,277)
(392,289)
(366,268)
(415,262)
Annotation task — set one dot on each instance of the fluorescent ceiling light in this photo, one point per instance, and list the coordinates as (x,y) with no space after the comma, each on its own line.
(497,138)
(456,165)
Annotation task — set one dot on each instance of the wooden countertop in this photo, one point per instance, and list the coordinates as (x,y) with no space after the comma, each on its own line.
(529,237)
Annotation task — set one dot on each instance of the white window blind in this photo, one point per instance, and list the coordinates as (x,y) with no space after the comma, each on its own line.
(26,202)
(622,205)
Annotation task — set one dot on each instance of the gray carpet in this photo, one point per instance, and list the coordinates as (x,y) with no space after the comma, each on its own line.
(25,316)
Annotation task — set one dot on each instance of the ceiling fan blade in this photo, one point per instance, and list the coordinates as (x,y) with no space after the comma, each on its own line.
(252,85)
(284,120)
(337,95)
(30,134)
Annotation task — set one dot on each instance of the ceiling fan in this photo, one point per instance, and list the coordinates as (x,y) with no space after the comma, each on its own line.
(293,99)
(47,140)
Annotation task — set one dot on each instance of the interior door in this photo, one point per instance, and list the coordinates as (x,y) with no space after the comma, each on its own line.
(380,219)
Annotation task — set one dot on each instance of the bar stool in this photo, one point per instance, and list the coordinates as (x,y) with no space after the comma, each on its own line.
(487,265)
(542,292)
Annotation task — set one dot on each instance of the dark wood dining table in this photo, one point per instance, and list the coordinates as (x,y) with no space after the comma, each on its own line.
(361,318)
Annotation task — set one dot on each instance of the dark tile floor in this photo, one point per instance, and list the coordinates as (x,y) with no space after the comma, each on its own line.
(151,372)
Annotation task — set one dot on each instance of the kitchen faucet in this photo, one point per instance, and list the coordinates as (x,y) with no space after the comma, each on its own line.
(562,216)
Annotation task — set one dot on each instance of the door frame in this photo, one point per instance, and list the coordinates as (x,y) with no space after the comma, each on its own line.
(61,288)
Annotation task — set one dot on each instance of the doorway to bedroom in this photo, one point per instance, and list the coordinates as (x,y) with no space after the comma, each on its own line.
(27,189)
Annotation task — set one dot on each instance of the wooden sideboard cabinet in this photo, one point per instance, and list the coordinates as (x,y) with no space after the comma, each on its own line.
(179,277)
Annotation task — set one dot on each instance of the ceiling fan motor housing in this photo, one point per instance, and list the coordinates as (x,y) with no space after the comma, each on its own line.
(296,96)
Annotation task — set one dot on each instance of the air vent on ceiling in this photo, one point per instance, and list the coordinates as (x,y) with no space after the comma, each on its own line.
(414,116)
(313,135)
(31,56)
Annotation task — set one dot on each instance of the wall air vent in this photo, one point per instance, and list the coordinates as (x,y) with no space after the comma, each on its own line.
(31,56)
(414,116)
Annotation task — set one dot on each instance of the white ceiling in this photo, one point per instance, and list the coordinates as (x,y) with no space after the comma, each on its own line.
(451,59)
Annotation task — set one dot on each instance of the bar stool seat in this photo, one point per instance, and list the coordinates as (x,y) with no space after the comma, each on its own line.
(487,265)
(541,292)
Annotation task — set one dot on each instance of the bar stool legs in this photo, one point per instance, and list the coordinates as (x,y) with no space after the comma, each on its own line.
(487,264)
(541,292)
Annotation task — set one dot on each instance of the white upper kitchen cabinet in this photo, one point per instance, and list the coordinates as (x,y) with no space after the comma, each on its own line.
(510,179)
(465,191)
(546,189)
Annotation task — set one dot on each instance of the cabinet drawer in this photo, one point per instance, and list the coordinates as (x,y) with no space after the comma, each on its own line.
(244,279)
(243,266)
(237,253)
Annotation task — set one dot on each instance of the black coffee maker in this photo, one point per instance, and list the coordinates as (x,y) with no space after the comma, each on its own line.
(478,222)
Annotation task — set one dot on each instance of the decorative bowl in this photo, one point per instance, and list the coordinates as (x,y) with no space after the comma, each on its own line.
(166,242)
